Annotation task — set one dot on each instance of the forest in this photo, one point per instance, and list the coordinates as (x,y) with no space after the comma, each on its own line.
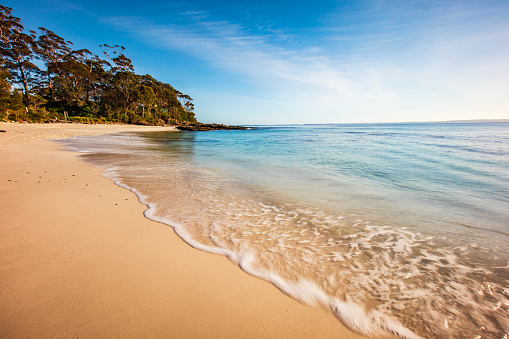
(44,79)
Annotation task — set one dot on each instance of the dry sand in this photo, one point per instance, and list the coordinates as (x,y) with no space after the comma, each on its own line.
(78,259)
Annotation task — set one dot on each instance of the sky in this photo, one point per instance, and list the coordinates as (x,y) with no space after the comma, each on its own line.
(322,61)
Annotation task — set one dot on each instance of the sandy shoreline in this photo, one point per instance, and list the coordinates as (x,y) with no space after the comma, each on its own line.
(78,259)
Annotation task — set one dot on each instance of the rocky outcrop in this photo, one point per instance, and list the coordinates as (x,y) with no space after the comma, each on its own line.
(208,127)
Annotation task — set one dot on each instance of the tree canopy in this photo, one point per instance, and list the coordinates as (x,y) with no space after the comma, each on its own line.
(86,87)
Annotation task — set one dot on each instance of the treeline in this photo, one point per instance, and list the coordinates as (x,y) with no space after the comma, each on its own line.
(77,85)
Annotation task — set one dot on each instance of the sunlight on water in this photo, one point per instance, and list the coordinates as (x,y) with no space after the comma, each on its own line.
(398,229)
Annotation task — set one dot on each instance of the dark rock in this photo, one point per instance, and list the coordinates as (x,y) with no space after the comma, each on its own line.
(208,127)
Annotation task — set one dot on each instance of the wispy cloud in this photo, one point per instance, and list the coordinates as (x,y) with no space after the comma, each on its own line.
(295,81)
(231,47)
(376,60)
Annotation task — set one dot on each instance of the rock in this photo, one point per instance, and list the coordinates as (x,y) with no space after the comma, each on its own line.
(208,127)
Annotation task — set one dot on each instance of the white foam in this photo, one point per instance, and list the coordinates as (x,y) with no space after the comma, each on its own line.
(349,313)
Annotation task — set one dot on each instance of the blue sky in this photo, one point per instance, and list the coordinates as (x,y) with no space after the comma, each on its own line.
(276,62)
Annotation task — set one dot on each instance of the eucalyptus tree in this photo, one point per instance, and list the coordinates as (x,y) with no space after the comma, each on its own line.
(17,51)
(123,78)
(146,98)
(72,74)
(5,91)
(53,50)
(95,79)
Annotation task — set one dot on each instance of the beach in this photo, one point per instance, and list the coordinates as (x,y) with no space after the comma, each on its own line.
(79,259)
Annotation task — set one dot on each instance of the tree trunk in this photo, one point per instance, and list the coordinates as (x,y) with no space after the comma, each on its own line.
(50,85)
(25,83)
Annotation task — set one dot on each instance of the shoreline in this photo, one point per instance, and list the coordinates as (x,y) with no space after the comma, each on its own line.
(78,258)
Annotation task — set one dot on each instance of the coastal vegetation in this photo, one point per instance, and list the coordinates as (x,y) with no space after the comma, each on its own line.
(43,78)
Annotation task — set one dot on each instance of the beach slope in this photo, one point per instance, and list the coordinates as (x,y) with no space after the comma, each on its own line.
(79,259)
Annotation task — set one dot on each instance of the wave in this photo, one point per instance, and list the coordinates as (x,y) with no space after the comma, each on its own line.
(350,313)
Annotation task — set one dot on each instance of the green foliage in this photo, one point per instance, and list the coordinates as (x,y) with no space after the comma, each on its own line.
(89,89)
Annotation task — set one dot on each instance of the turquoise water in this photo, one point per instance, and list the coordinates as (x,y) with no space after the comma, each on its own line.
(395,228)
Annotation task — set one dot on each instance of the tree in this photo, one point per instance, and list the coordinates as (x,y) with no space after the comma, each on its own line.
(146,97)
(96,75)
(52,49)
(17,50)
(124,80)
(69,81)
(5,91)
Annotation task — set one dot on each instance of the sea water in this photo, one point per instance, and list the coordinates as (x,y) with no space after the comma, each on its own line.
(398,229)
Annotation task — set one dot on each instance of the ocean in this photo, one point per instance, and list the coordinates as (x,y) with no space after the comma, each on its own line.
(397,229)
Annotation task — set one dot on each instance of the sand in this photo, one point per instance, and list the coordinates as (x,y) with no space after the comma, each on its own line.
(79,259)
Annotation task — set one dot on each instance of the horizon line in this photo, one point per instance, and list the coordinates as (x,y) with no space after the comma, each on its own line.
(394,122)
